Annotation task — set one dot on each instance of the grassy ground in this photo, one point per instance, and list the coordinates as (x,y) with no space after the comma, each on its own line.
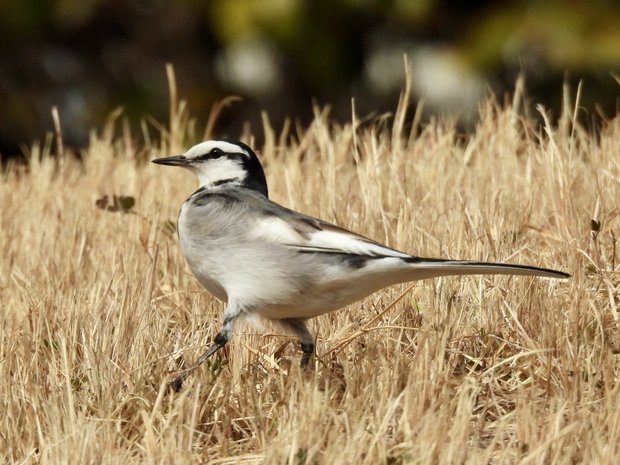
(98,305)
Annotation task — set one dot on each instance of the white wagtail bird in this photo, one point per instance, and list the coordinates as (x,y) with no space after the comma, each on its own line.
(262,258)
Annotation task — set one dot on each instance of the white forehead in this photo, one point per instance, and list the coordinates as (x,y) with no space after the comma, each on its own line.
(207,146)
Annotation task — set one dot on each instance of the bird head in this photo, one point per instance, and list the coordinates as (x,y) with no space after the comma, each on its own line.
(221,163)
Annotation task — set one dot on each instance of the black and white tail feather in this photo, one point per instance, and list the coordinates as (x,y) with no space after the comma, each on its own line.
(265,259)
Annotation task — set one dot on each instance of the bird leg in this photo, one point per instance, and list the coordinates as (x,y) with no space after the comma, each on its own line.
(177,382)
(298,326)
(308,350)
(231,312)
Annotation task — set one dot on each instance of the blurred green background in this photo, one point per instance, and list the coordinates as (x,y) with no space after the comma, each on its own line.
(89,57)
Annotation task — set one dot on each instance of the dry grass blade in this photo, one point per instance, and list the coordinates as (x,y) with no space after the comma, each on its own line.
(98,306)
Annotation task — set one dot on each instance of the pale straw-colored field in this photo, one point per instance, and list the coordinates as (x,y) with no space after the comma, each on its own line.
(98,306)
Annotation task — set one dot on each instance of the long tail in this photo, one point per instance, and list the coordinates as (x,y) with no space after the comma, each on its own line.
(423,268)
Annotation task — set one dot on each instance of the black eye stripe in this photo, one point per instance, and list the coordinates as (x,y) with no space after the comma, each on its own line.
(213,154)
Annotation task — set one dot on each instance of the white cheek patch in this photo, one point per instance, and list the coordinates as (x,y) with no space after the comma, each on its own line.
(210,172)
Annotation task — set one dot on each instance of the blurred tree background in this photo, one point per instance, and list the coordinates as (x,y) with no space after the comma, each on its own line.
(88,57)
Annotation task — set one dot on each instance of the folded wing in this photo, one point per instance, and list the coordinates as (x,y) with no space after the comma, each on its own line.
(310,235)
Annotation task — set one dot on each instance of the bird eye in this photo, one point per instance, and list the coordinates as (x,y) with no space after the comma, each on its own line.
(216,153)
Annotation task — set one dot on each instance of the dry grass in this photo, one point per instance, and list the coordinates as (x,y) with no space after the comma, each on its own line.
(98,306)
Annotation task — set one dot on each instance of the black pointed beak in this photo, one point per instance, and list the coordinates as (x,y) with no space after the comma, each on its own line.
(176,160)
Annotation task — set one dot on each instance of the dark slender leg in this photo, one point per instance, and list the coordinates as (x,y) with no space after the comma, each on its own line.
(231,312)
(219,342)
(308,350)
(307,341)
